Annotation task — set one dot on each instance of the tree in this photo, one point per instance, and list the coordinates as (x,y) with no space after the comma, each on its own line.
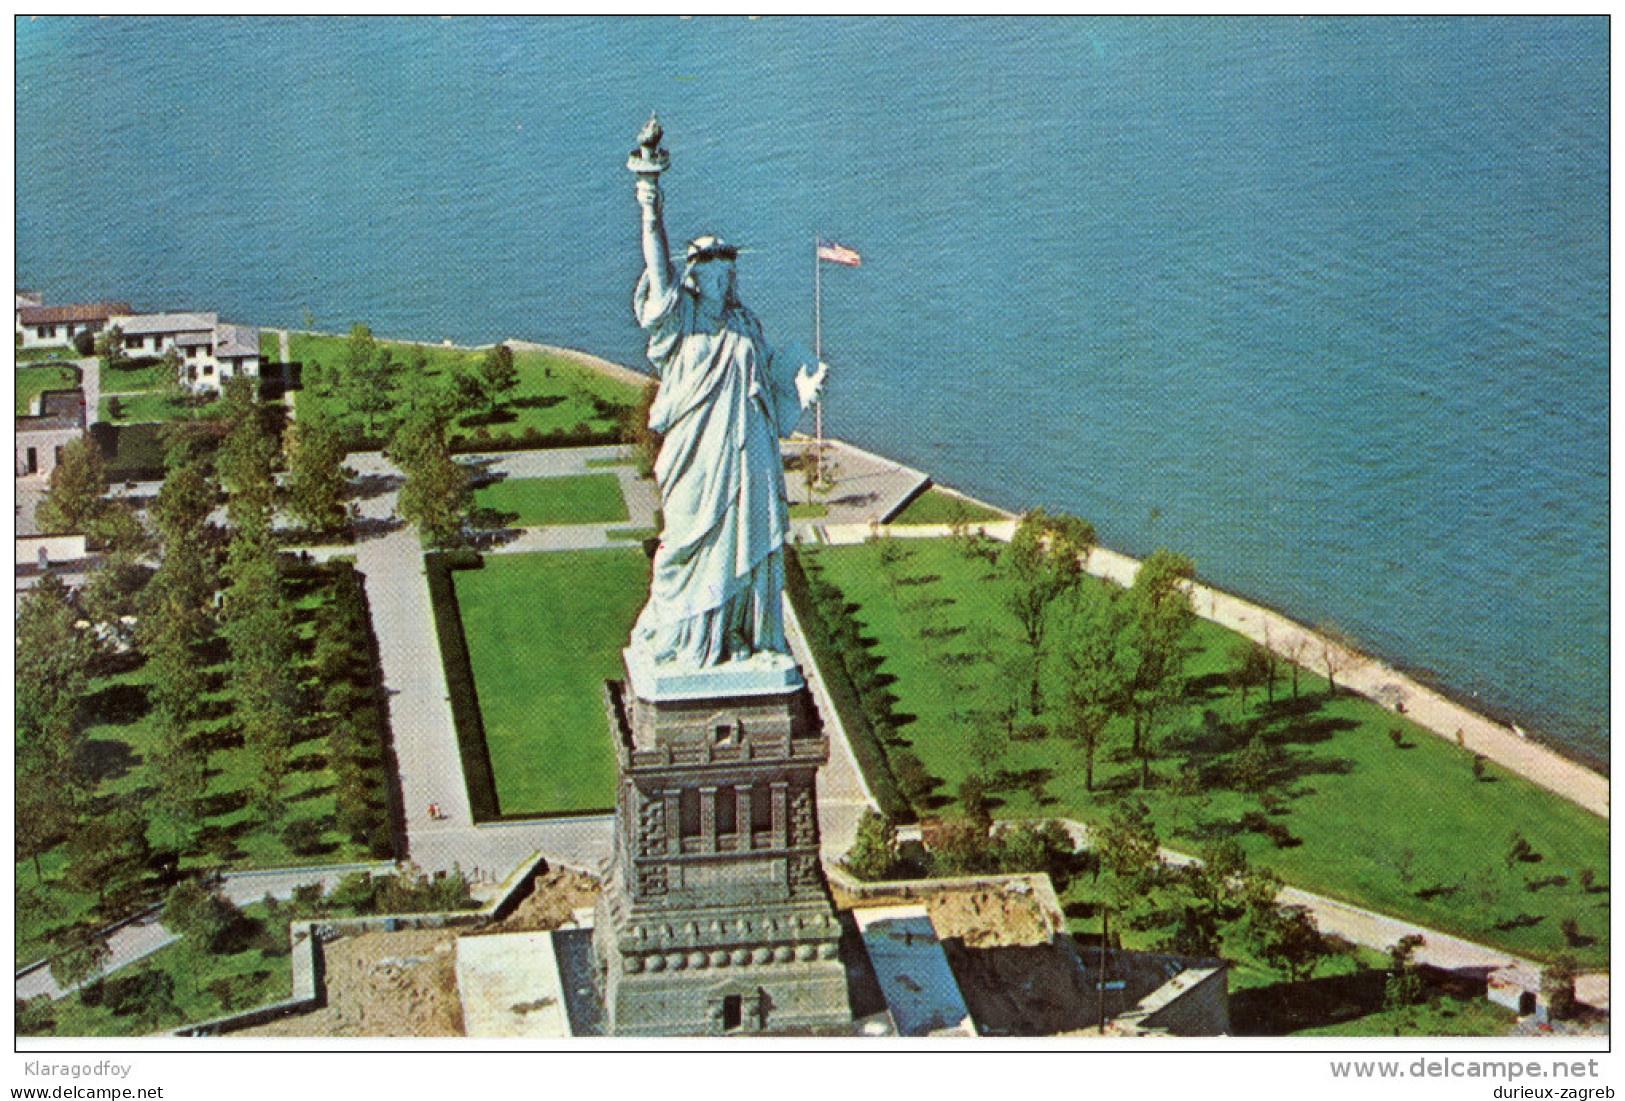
(181,769)
(108,854)
(200,913)
(317,479)
(174,380)
(115,528)
(246,455)
(1127,843)
(1289,940)
(1159,617)
(1298,649)
(258,628)
(1337,655)
(1250,666)
(436,496)
(1255,765)
(1557,986)
(497,374)
(113,589)
(46,805)
(973,798)
(53,655)
(74,494)
(986,743)
(1043,561)
(110,346)
(1099,677)
(874,851)
(78,954)
(369,375)
(84,343)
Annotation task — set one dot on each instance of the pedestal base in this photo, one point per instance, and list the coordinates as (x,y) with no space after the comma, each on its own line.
(716,917)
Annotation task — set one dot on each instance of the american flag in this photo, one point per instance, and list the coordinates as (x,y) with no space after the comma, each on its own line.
(838,254)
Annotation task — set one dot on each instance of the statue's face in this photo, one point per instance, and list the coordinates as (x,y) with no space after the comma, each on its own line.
(714,279)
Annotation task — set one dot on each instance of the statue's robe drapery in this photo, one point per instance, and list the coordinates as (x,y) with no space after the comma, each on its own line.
(724,400)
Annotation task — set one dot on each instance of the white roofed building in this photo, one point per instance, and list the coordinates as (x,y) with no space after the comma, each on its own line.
(209,351)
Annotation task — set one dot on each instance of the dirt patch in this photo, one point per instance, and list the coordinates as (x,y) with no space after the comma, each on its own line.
(552,903)
(384,984)
(405,983)
(986,918)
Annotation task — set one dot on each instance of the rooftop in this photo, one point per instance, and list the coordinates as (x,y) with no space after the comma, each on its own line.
(57,315)
(143,324)
(235,341)
(58,409)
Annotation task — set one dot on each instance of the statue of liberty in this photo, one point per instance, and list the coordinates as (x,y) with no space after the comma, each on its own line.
(724,401)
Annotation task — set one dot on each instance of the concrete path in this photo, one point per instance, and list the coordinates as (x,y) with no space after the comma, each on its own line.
(867,488)
(127,944)
(425,736)
(90,381)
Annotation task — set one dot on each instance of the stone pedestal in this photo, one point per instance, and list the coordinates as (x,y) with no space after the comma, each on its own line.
(715,917)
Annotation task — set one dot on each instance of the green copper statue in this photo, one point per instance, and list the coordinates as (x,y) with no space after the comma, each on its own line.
(725,400)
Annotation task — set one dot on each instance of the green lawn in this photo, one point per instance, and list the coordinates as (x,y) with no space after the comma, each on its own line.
(554,394)
(1406,831)
(131,376)
(544,632)
(936,507)
(1443,1016)
(143,408)
(270,346)
(814,511)
(32,381)
(537,502)
(46,352)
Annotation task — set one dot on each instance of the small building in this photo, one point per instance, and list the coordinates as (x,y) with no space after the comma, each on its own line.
(41,437)
(40,326)
(209,352)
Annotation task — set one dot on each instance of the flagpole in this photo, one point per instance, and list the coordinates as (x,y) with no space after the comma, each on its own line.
(818,356)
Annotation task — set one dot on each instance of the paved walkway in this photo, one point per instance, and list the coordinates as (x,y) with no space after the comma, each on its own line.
(425,736)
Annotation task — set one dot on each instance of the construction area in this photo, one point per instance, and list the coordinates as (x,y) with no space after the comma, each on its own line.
(988,956)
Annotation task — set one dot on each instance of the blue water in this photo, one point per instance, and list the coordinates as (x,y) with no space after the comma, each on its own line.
(1321,303)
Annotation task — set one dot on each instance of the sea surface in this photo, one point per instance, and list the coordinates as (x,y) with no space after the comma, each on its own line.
(1322,303)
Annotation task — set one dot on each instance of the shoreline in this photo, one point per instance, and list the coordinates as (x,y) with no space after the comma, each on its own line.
(1532,756)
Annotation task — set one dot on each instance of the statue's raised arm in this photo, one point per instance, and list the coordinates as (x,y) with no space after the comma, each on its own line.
(647,161)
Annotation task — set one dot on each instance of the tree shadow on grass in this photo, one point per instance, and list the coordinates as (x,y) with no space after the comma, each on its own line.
(213,652)
(482,420)
(312,793)
(1208,686)
(538,401)
(107,758)
(221,803)
(118,704)
(1518,921)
